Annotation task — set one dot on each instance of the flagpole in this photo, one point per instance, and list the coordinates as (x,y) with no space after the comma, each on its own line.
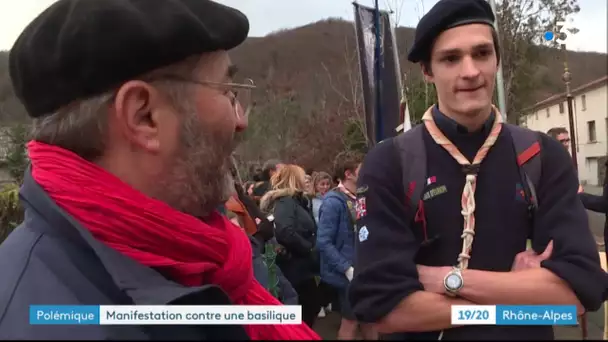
(379,128)
(500,82)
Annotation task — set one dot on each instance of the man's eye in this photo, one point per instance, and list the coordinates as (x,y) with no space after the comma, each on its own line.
(450,59)
(484,53)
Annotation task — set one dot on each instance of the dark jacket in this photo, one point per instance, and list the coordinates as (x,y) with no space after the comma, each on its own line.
(599,204)
(336,238)
(296,231)
(51,259)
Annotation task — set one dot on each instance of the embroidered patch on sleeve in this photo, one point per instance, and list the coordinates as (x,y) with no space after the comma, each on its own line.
(361,190)
(363,234)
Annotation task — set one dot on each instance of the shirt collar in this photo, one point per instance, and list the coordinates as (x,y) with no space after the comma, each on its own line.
(450,127)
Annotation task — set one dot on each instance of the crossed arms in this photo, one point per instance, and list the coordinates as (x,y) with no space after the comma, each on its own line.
(390,290)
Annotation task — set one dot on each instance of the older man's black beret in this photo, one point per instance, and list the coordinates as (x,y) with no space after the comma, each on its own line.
(444,15)
(80,48)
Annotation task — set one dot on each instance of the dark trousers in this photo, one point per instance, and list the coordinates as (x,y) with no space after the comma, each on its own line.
(327,294)
(308,298)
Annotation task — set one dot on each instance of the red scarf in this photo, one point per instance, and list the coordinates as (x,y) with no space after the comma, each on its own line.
(189,250)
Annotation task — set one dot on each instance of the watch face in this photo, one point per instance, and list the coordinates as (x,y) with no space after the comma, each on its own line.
(453,281)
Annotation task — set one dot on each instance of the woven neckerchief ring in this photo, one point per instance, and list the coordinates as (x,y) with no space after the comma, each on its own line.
(470,170)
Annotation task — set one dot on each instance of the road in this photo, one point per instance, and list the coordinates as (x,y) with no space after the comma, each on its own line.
(327,327)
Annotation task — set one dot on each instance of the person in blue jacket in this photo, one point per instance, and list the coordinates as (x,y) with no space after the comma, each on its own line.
(336,239)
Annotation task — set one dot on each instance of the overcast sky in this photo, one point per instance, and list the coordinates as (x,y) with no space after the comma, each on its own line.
(267,16)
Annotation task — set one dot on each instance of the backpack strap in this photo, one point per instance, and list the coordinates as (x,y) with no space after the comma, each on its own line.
(528,150)
(412,156)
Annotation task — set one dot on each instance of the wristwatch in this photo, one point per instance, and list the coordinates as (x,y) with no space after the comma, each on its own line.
(453,282)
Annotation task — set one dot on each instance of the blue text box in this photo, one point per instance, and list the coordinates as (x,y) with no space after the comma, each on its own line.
(64,314)
(536,315)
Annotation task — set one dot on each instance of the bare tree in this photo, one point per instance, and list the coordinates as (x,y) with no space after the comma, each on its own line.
(395,8)
(522,24)
(351,98)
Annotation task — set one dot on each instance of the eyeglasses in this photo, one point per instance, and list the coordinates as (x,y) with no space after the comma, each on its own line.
(239,93)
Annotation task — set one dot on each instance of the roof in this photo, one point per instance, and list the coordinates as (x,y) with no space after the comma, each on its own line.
(562,97)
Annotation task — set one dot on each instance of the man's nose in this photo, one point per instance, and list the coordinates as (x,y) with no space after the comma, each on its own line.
(468,68)
(242,123)
(242,118)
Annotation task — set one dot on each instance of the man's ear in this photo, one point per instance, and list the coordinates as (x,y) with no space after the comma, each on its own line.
(138,109)
(426,73)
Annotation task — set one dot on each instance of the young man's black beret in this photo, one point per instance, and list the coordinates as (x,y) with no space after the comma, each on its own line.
(444,15)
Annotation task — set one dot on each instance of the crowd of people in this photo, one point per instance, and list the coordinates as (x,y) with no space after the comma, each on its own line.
(302,227)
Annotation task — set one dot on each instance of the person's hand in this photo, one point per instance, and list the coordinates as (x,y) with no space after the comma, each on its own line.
(529,259)
(580,189)
(349,273)
(431,277)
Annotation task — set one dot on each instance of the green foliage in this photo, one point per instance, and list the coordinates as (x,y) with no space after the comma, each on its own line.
(11,212)
(269,257)
(354,136)
(16,160)
(420,96)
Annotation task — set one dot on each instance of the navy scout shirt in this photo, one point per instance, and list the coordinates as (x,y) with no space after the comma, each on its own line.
(390,248)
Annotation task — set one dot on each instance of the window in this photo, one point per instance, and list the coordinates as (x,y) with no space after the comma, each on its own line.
(548,112)
(561,108)
(584,102)
(591,131)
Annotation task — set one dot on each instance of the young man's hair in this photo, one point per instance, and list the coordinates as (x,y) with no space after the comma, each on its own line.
(426,61)
(270,165)
(346,161)
(555,131)
(255,172)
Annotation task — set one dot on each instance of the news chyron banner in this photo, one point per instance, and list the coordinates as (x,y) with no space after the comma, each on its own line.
(382,96)
(514,315)
(164,314)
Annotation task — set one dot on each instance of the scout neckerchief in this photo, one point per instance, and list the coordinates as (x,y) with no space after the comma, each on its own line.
(347,192)
(470,170)
(350,202)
